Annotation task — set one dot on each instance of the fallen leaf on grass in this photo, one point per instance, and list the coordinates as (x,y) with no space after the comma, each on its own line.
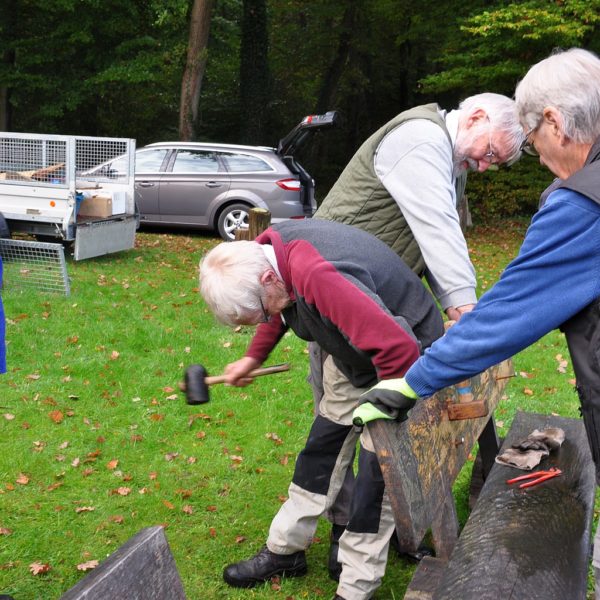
(33,376)
(38,568)
(168,504)
(114,355)
(9,416)
(81,509)
(188,509)
(112,464)
(212,532)
(57,416)
(87,566)
(22,479)
(122,491)
(116,519)
(274,437)
(5,531)
(528,392)
(239,539)
(171,455)
(211,508)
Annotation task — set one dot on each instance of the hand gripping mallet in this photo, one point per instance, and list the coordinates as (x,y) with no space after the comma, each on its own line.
(197,381)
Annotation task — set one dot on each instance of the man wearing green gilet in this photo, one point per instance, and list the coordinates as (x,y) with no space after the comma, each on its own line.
(403,185)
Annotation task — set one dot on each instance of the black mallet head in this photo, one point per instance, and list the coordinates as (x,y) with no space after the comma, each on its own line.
(196,388)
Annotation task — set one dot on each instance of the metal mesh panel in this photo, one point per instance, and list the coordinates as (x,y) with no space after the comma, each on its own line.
(23,160)
(34,265)
(102,160)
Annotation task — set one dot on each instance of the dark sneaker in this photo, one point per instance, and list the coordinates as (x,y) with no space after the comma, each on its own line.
(264,565)
(334,566)
(414,557)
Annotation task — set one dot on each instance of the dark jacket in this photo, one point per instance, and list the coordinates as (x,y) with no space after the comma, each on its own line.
(353,296)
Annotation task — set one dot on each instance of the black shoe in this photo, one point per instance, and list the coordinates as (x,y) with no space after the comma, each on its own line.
(264,565)
(415,557)
(333,564)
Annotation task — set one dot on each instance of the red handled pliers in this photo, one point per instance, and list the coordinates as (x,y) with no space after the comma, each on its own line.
(536,477)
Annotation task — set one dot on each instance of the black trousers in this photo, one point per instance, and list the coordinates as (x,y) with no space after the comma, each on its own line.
(583,338)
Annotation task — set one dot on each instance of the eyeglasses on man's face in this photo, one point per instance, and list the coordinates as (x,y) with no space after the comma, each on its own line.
(266,316)
(490,156)
(527,145)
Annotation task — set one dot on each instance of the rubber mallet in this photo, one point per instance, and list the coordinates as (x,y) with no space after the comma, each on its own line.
(197,381)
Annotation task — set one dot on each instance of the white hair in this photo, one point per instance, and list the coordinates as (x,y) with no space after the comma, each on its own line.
(230,280)
(504,118)
(570,82)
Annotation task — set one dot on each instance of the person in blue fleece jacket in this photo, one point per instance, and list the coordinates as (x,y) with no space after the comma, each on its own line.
(555,279)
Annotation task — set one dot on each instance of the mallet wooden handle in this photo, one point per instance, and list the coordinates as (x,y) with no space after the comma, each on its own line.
(255,373)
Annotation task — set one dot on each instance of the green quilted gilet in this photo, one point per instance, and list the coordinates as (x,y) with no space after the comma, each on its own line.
(359,198)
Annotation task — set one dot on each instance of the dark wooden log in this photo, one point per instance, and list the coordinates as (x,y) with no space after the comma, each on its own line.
(426,579)
(421,457)
(520,544)
(142,569)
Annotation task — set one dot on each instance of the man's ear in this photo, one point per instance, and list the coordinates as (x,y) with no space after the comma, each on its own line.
(268,277)
(476,116)
(554,121)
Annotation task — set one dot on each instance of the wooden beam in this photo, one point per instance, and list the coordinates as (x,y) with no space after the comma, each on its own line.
(421,457)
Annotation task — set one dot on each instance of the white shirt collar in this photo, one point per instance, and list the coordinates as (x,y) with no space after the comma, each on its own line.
(452,124)
(270,255)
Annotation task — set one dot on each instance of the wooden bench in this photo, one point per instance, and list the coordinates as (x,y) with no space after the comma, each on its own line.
(142,569)
(521,544)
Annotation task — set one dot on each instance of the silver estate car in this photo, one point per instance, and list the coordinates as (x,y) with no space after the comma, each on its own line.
(214,186)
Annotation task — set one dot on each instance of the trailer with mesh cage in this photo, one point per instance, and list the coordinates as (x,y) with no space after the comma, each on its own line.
(62,188)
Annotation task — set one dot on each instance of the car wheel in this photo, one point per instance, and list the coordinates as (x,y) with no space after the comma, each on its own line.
(232,217)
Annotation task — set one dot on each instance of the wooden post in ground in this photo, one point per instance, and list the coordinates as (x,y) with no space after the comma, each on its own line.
(259,219)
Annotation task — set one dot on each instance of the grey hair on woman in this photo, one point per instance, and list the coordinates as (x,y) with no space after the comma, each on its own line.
(503,116)
(230,280)
(570,82)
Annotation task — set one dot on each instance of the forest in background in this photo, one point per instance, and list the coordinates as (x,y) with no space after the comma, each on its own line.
(118,68)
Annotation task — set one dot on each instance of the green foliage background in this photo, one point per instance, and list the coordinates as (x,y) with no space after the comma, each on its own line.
(114,68)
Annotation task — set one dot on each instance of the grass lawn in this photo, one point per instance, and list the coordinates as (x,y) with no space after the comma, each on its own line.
(96,441)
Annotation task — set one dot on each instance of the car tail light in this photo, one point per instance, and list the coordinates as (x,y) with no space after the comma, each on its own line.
(291,185)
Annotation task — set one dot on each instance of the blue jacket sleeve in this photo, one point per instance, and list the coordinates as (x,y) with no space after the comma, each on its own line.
(555,275)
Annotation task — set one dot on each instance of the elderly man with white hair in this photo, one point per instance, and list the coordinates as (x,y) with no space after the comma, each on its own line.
(555,280)
(403,185)
(347,291)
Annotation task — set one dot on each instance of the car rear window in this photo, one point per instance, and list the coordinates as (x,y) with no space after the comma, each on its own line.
(245,163)
(195,161)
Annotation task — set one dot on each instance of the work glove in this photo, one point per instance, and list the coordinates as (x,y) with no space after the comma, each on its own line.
(545,440)
(390,399)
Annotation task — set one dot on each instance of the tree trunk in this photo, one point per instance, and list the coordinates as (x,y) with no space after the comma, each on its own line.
(191,83)
(336,68)
(254,71)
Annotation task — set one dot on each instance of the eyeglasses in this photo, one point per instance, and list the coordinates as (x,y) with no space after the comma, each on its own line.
(490,156)
(527,145)
(266,316)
